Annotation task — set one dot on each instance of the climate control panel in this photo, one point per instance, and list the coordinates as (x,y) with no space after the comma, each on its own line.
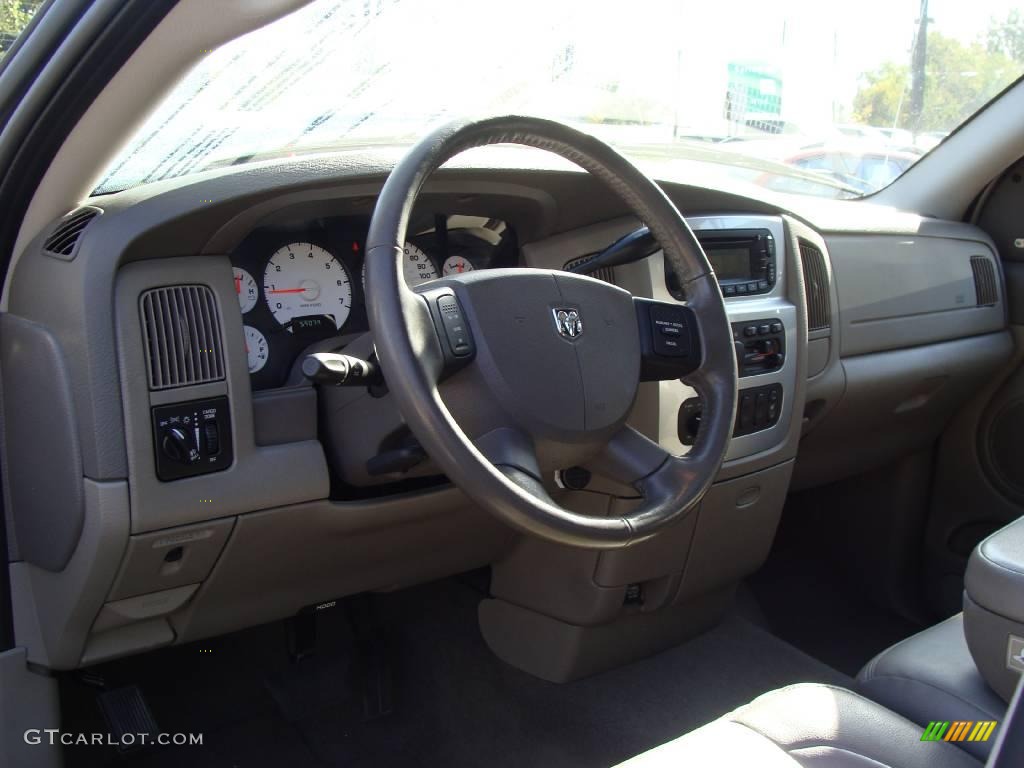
(757,408)
(192,438)
(760,346)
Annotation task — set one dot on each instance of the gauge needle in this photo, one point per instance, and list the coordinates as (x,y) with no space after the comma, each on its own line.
(238,285)
(290,290)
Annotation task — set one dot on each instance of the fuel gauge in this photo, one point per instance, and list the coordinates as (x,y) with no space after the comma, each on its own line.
(256,349)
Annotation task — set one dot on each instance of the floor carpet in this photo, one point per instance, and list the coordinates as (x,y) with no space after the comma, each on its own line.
(455,703)
(816,611)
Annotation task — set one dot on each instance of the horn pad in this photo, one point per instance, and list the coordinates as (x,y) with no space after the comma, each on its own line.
(560,352)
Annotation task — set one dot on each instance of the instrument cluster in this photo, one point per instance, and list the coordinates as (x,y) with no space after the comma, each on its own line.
(303,286)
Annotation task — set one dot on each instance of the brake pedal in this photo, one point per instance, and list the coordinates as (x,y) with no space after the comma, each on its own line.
(378,688)
(126,712)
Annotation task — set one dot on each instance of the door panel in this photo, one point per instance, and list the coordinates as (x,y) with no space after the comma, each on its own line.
(979,473)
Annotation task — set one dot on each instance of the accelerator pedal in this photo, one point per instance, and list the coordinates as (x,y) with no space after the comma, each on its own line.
(373,667)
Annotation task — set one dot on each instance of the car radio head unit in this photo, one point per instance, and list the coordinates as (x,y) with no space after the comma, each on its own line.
(743,261)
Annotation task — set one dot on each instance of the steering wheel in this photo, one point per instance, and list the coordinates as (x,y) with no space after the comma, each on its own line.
(550,361)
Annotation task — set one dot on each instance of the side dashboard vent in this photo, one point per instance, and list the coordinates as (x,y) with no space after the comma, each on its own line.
(986,289)
(816,287)
(63,241)
(181,330)
(604,273)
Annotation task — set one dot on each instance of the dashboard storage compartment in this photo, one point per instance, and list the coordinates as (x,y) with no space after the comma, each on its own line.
(994,607)
(160,574)
(171,558)
(131,610)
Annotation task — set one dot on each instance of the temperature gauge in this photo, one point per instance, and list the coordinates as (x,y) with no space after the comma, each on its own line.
(456,265)
(256,349)
(246,289)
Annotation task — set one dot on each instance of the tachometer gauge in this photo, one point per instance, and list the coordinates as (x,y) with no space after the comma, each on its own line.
(303,279)
(416,266)
(456,265)
(256,348)
(246,289)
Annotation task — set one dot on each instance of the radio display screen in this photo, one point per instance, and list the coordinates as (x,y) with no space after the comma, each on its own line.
(743,261)
(730,263)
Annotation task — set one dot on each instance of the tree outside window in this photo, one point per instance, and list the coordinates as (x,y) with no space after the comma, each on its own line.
(14,17)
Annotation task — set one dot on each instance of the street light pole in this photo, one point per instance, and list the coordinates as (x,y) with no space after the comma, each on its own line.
(918,63)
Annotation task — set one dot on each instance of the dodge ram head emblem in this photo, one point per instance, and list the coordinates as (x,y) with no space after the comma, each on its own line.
(568,322)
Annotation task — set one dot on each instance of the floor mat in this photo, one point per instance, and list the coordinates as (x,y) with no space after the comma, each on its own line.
(806,603)
(456,704)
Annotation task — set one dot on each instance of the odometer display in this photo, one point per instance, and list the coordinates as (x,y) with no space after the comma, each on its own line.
(304,279)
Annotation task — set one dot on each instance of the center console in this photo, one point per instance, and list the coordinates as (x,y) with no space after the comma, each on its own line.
(561,613)
(749,255)
(760,348)
(964,669)
(994,608)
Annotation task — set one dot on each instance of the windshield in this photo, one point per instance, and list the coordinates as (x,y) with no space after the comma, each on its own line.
(796,95)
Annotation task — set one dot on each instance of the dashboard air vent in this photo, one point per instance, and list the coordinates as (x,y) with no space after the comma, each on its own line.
(64,238)
(819,307)
(985,287)
(181,330)
(604,273)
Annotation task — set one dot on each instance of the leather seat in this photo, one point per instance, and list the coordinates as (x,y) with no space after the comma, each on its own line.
(807,726)
(932,676)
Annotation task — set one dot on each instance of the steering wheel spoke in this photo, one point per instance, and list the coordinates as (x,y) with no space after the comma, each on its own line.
(660,477)
(510,447)
(629,457)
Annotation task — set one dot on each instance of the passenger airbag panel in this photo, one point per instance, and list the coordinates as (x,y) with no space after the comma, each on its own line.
(897,292)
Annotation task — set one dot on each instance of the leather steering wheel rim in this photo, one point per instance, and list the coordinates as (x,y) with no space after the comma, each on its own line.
(407,348)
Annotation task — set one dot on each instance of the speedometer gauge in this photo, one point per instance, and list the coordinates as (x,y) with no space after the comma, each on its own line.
(417,267)
(303,279)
